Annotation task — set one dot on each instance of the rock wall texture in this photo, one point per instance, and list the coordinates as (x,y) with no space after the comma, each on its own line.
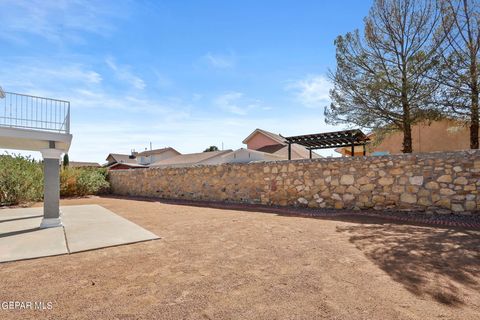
(431,182)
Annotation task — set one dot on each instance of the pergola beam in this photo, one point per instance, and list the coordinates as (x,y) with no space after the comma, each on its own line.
(327,140)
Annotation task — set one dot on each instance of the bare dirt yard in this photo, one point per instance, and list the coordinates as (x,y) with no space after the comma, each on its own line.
(226,264)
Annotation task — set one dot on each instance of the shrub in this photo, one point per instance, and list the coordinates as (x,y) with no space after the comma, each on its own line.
(21,179)
(83,181)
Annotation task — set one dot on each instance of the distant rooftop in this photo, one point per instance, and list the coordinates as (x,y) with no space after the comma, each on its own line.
(147,153)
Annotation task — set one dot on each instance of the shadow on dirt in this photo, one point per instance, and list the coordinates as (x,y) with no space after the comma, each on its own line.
(425,260)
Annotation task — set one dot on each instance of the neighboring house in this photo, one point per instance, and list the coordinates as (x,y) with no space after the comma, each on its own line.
(245,155)
(267,142)
(80,164)
(217,157)
(191,159)
(442,135)
(262,146)
(151,156)
(116,161)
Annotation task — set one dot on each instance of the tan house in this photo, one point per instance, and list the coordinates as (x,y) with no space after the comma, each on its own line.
(243,155)
(117,161)
(135,160)
(151,156)
(81,164)
(443,135)
(191,159)
(271,143)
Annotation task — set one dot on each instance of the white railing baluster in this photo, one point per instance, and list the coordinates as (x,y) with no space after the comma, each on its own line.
(32,112)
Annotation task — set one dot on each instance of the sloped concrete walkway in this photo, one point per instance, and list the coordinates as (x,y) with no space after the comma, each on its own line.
(85,228)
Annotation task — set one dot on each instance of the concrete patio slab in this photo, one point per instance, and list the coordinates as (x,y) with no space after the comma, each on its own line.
(92,227)
(21,238)
(85,228)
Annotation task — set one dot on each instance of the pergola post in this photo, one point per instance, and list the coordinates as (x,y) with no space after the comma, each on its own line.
(364,150)
(310,152)
(51,192)
(289,151)
(353,150)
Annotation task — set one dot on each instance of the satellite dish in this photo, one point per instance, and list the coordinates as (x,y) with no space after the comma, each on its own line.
(2,93)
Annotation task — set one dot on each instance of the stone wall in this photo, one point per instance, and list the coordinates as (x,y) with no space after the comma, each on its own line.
(432,182)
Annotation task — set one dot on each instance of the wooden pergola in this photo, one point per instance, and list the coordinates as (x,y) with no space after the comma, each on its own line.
(327,140)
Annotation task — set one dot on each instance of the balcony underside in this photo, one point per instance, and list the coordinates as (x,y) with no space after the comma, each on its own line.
(34,140)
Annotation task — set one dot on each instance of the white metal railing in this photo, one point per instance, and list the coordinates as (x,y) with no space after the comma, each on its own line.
(31,112)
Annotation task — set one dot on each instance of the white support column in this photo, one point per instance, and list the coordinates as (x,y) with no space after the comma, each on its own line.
(51,192)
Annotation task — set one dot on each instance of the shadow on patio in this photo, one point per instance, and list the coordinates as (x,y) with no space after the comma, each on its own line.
(425,260)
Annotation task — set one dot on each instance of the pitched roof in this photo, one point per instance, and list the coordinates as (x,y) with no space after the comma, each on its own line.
(122,158)
(273,136)
(267,154)
(189,159)
(272,148)
(156,151)
(131,165)
(79,164)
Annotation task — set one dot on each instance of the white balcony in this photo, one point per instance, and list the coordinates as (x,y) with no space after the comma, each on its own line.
(34,123)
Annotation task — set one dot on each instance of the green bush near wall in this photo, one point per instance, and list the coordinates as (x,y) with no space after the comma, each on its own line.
(83,181)
(21,180)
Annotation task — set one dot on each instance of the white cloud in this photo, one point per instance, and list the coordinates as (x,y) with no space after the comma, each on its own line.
(93,140)
(105,121)
(234,102)
(123,73)
(83,87)
(313,91)
(220,61)
(31,75)
(56,21)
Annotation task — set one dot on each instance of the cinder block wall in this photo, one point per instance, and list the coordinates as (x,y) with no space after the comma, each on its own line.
(432,182)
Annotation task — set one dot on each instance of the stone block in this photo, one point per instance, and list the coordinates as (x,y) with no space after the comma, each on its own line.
(457,207)
(396,171)
(386,181)
(347,179)
(424,201)
(363,180)
(461,181)
(446,178)
(408,198)
(416,180)
(432,185)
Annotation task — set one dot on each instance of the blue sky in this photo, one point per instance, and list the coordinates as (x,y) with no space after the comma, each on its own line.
(186,74)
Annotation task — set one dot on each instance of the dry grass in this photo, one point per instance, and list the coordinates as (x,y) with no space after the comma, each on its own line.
(223,264)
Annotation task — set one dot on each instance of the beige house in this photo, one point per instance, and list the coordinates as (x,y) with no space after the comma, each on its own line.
(135,160)
(246,155)
(81,164)
(191,159)
(151,156)
(443,135)
(274,144)
(117,161)
(261,146)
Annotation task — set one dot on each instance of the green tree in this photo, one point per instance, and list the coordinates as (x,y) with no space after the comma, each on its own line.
(458,72)
(383,80)
(211,148)
(66,160)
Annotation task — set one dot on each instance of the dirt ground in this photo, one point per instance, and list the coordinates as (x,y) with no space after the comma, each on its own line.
(225,264)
